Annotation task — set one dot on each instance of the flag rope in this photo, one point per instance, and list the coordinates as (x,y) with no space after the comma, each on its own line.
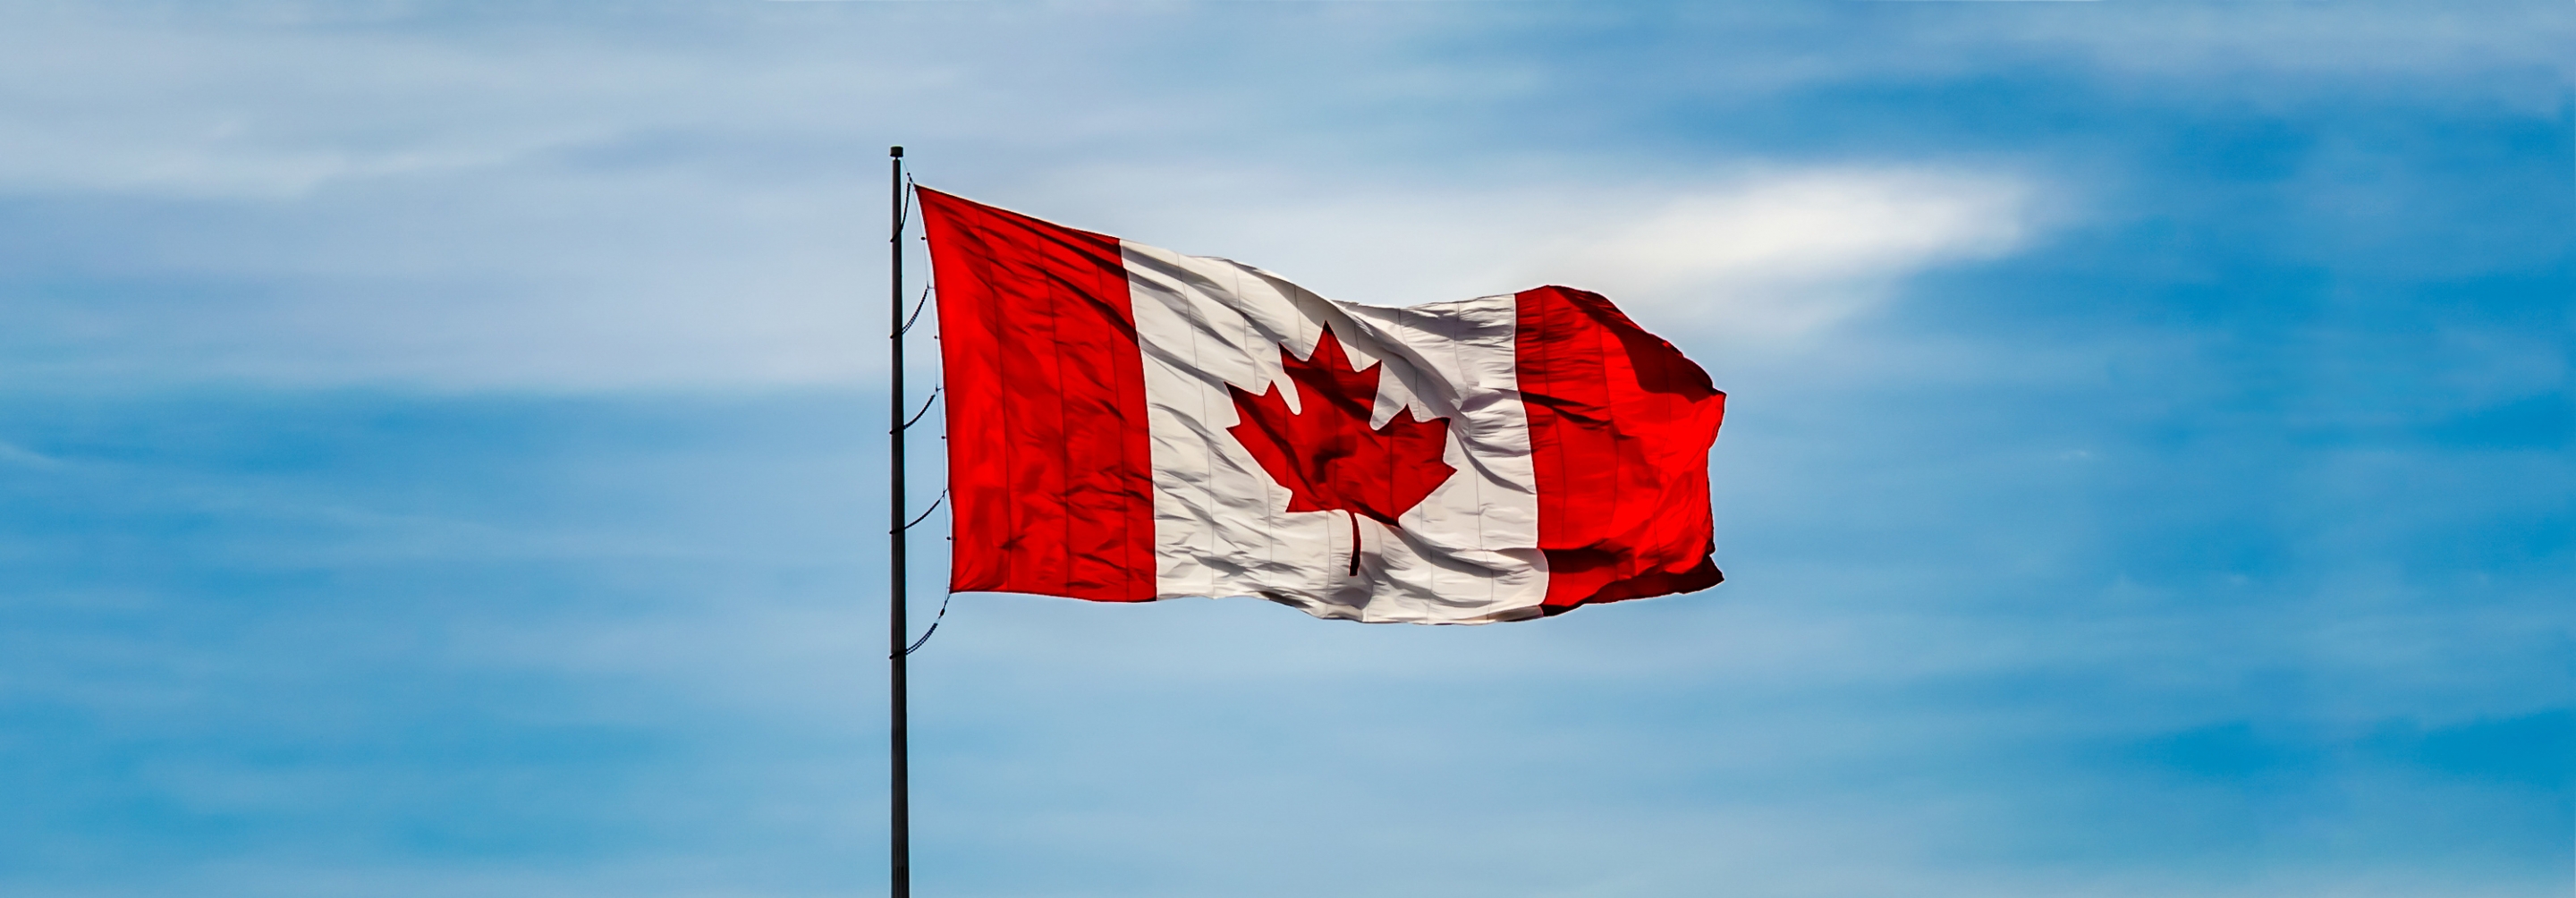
(915,317)
(935,390)
(934,626)
(925,513)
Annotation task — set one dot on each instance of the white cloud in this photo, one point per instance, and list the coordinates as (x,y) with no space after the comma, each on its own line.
(1791,253)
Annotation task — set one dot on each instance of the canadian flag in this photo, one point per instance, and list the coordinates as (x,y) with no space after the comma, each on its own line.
(1127,424)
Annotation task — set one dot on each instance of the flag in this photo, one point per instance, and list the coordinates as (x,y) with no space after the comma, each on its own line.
(1127,424)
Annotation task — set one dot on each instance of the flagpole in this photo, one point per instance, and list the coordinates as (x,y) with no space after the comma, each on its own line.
(899,759)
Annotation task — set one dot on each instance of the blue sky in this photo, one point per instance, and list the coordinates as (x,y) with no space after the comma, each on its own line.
(442,442)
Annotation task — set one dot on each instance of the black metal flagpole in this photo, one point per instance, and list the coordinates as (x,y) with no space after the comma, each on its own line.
(899,759)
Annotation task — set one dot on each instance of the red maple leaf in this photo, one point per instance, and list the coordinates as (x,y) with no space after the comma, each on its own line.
(1328,457)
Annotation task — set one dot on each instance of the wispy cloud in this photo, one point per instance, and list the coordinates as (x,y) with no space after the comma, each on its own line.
(1787,254)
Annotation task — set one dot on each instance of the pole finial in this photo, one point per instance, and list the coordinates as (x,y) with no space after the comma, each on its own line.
(895,152)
